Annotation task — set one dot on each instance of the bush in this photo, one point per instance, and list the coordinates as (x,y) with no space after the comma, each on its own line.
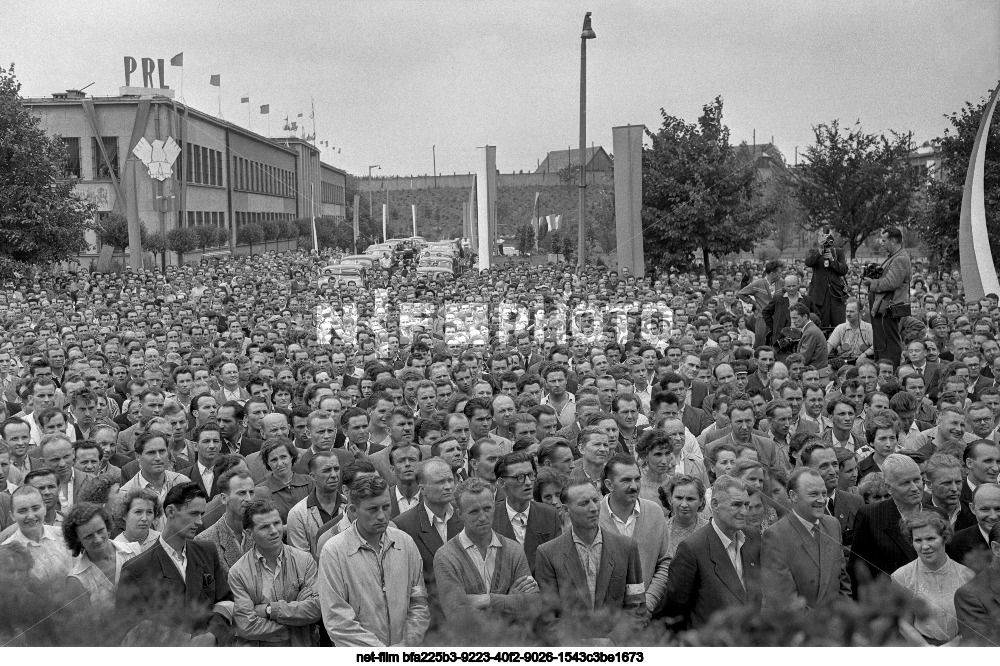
(250,234)
(272,230)
(182,240)
(113,231)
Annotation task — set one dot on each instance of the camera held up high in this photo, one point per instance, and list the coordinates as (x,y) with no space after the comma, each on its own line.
(873,271)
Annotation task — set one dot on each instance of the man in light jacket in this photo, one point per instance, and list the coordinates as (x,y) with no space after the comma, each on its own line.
(371,582)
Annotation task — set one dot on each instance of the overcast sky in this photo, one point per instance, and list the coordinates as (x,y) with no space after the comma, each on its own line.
(391,78)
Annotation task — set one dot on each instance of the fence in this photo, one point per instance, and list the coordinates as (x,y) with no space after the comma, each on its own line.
(467,180)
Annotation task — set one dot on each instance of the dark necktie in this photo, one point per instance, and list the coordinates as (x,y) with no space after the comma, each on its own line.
(829,507)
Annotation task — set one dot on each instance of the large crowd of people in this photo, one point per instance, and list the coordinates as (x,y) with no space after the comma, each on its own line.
(235,453)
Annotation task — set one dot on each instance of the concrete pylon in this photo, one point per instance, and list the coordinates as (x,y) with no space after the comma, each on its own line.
(628,197)
(486,197)
(979,274)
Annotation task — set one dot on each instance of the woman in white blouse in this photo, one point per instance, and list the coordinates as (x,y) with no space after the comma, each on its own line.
(98,564)
(138,512)
(933,578)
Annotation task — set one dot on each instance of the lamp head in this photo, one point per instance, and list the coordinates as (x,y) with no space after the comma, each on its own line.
(588,32)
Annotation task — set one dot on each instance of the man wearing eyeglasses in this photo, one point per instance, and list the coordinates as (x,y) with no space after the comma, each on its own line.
(519,517)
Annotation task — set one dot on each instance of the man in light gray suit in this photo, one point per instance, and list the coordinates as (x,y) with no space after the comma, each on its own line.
(801,554)
(887,295)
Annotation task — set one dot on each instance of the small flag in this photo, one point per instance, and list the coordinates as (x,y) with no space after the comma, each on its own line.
(265,109)
(338,151)
(245,99)
(294,126)
(177,60)
(216,80)
(300,115)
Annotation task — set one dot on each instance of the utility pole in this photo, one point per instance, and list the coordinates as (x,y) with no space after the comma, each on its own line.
(371,211)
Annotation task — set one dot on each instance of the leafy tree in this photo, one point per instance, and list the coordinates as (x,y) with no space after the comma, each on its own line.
(41,220)
(289,230)
(250,234)
(156,243)
(787,216)
(698,192)
(941,202)
(271,231)
(113,231)
(182,240)
(855,182)
(524,240)
(207,236)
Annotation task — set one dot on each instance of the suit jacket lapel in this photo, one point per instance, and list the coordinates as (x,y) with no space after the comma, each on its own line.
(429,534)
(501,522)
(604,570)
(168,569)
(806,540)
(724,568)
(892,530)
(577,573)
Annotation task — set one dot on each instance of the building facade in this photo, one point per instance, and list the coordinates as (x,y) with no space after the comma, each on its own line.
(224,175)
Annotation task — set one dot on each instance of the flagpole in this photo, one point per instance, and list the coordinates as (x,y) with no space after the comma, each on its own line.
(182,80)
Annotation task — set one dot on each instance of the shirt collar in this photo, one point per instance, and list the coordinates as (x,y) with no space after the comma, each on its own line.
(466,542)
(511,512)
(597,540)
(636,510)
(809,526)
(740,537)
(447,515)
(177,555)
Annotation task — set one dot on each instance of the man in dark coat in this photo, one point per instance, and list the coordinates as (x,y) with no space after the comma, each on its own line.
(827,290)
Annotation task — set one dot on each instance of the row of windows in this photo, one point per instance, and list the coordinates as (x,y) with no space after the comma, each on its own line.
(99,169)
(201,165)
(251,176)
(332,193)
(252,218)
(197,218)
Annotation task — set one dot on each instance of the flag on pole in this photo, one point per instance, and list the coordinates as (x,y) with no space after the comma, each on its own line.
(245,99)
(265,109)
(300,115)
(216,80)
(177,60)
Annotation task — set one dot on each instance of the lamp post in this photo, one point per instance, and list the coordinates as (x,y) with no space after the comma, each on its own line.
(371,212)
(588,33)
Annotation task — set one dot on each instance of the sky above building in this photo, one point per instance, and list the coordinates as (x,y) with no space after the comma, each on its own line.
(392,78)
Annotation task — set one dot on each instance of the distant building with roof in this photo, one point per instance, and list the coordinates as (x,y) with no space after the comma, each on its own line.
(766,157)
(557,160)
(925,160)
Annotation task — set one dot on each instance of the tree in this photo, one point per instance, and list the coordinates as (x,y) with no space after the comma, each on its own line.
(524,239)
(41,220)
(250,234)
(271,231)
(786,214)
(855,183)
(156,243)
(113,231)
(182,240)
(940,204)
(697,192)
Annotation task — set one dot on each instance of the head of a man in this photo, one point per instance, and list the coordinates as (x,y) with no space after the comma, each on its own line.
(905,481)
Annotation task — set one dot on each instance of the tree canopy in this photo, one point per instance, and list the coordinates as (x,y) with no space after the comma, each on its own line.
(697,192)
(41,220)
(854,182)
(941,203)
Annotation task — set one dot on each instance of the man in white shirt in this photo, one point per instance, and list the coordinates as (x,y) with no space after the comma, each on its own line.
(152,452)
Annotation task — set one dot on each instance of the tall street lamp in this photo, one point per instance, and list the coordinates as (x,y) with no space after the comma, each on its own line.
(588,33)
(371,212)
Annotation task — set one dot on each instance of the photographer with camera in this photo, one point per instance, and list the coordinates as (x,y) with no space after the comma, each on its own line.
(777,316)
(827,289)
(889,296)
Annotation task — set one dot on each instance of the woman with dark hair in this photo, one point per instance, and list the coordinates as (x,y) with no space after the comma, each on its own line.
(287,488)
(548,486)
(136,515)
(98,564)
(933,577)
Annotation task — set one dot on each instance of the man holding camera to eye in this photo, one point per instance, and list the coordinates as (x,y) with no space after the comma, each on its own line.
(889,296)
(827,290)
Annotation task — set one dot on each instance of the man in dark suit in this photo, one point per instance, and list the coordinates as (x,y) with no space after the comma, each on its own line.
(827,290)
(791,580)
(944,478)
(717,567)
(813,345)
(589,570)
(892,289)
(840,504)
(916,350)
(776,314)
(179,582)
(433,521)
(970,546)
(208,444)
(977,603)
(518,516)
(759,293)
(982,462)
(880,547)
(694,418)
